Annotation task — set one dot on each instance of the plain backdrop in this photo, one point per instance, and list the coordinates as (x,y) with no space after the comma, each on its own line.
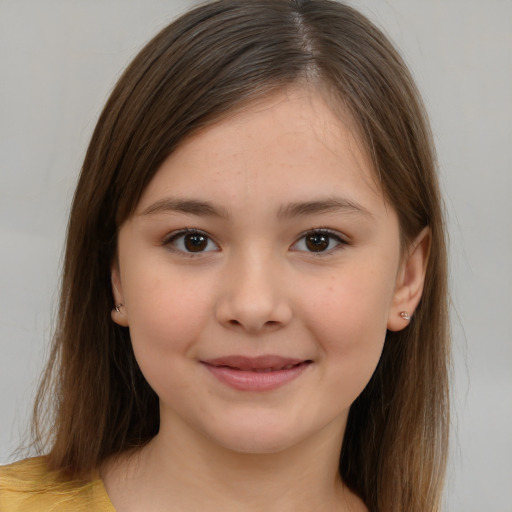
(60,58)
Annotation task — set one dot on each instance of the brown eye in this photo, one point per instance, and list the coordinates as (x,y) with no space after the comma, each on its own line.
(191,241)
(317,242)
(320,241)
(195,242)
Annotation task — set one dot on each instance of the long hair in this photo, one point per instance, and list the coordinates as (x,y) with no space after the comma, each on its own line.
(93,401)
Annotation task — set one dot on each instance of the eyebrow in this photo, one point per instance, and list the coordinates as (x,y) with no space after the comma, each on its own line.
(295,209)
(332,204)
(190,206)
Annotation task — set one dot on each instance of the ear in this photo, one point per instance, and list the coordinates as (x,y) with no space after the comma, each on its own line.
(410,281)
(119,310)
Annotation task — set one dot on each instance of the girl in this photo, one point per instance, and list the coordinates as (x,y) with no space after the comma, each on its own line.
(253,311)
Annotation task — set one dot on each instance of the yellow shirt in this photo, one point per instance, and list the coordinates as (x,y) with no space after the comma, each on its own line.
(28,486)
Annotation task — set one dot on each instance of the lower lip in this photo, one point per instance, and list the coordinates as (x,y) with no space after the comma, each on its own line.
(243,380)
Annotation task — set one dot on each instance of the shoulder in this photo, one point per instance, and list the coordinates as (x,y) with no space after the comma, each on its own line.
(29,485)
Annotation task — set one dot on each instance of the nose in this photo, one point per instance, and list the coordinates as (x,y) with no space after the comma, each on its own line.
(253,297)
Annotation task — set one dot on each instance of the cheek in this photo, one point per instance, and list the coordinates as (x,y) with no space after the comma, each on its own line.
(166,316)
(348,317)
(163,332)
(354,303)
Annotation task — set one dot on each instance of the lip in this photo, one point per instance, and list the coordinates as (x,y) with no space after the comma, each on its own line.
(263,373)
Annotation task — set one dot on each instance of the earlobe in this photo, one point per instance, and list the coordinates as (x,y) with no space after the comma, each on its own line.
(118,312)
(409,286)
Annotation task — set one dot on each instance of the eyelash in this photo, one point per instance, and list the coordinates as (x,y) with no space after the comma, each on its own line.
(327,233)
(176,235)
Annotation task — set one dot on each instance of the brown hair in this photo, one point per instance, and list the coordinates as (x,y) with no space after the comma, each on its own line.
(93,401)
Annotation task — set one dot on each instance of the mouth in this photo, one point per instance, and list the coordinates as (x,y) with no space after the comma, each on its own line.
(264,373)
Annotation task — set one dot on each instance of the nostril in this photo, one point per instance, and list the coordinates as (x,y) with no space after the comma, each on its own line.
(269,323)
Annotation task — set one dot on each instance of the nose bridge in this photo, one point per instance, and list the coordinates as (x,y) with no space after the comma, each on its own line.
(253,296)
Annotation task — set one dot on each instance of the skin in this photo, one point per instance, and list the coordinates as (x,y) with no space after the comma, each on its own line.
(257,288)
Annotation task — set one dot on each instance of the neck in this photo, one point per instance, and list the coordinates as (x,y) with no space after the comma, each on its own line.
(186,469)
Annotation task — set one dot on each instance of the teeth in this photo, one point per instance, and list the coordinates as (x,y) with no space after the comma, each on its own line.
(288,367)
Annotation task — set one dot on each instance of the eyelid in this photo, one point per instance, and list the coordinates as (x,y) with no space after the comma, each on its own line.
(171,237)
(341,240)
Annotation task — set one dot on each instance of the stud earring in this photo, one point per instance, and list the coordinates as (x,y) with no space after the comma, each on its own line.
(405,316)
(118,307)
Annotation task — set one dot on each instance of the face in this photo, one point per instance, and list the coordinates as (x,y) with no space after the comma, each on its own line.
(259,274)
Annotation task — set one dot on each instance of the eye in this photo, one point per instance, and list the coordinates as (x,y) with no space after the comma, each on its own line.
(319,241)
(191,241)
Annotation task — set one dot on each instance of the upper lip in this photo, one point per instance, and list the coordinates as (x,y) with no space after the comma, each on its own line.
(255,363)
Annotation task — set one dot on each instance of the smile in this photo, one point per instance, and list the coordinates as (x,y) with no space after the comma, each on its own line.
(264,373)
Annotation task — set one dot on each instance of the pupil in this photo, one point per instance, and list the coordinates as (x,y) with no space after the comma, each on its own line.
(195,242)
(317,243)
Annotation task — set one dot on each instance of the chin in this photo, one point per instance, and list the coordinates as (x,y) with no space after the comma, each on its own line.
(257,438)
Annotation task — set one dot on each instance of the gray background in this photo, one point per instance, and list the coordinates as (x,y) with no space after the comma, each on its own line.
(60,58)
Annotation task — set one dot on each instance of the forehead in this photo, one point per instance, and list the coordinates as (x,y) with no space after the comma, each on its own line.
(284,147)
